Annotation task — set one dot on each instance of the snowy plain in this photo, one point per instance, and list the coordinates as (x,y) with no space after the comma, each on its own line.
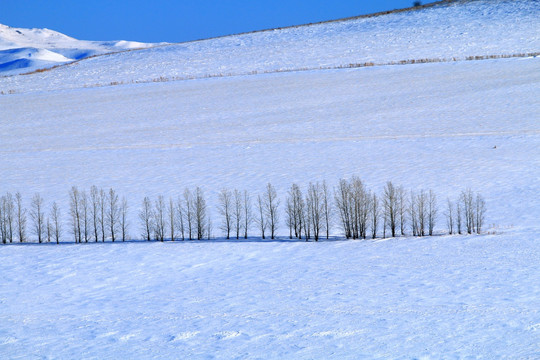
(450,297)
(431,126)
(441,126)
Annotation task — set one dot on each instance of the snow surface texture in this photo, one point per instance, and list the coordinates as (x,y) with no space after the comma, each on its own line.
(443,126)
(457,30)
(25,50)
(444,298)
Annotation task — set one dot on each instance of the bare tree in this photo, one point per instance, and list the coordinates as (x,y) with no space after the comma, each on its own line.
(470,208)
(418,209)
(343,203)
(21,218)
(160,221)
(171,213)
(359,208)
(421,208)
(375,213)
(261,220)
(248,213)
(480,213)
(237,212)
(189,212)
(402,208)
(226,211)
(75,212)
(10,216)
(467,203)
(49,229)
(145,215)
(327,208)
(3,220)
(124,218)
(113,213)
(56,223)
(390,203)
(289,211)
(7,217)
(271,204)
(449,216)
(306,218)
(298,209)
(294,211)
(85,215)
(203,223)
(102,216)
(316,208)
(459,216)
(38,217)
(413,214)
(95,212)
(385,221)
(432,211)
(180,217)
(357,192)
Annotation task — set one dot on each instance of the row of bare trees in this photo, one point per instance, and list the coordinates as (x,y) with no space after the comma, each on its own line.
(187,217)
(96,215)
(237,214)
(363,213)
(397,209)
(99,215)
(311,214)
(184,218)
(466,214)
(12,218)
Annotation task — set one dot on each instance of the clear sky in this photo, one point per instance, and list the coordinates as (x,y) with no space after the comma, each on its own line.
(177,20)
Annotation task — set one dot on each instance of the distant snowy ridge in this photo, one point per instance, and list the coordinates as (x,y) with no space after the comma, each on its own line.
(450,30)
(25,50)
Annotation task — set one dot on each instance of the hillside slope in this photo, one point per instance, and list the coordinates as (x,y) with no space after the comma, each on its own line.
(422,126)
(456,30)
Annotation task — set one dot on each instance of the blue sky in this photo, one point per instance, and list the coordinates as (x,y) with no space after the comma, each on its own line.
(180,20)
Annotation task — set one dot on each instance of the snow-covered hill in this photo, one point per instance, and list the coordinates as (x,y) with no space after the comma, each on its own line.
(26,50)
(454,30)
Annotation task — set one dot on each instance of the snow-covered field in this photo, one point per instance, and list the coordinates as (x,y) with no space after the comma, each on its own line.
(441,126)
(443,298)
(423,126)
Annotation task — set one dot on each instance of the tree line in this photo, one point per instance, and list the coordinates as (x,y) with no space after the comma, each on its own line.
(100,215)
